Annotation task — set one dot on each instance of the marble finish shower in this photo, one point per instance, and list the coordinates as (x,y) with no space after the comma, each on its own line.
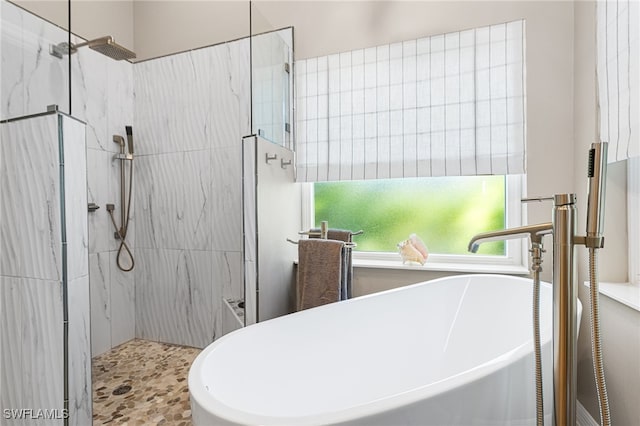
(44,283)
(190,111)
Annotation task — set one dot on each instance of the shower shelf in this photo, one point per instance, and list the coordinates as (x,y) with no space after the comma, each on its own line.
(234,313)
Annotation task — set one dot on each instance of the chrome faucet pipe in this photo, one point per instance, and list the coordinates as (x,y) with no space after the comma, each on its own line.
(535,232)
(565,327)
(565,311)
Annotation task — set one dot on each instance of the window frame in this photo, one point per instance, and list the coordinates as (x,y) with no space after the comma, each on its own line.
(633,211)
(514,262)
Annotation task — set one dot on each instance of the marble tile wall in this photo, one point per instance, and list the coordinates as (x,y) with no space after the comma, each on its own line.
(102,96)
(31,77)
(77,238)
(187,180)
(188,193)
(33,229)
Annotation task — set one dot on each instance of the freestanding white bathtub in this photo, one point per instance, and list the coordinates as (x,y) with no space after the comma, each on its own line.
(452,351)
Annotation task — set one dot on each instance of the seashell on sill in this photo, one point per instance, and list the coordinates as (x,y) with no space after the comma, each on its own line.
(413,249)
(419,245)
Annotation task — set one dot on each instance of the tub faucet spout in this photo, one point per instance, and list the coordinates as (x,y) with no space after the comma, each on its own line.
(535,232)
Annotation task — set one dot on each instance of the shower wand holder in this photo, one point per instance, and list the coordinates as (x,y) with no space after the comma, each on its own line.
(123,157)
(589,241)
(117,234)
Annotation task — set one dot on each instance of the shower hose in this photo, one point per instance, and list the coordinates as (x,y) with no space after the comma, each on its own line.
(536,343)
(596,343)
(125,226)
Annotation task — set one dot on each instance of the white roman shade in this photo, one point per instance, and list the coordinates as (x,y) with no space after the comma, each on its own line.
(618,34)
(446,105)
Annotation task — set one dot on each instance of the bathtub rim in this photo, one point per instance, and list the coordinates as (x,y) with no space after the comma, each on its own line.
(208,403)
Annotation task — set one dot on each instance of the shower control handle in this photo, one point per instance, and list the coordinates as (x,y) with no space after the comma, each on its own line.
(120,141)
(536,199)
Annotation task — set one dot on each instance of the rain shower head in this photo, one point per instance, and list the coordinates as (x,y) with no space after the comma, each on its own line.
(108,47)
(105,45)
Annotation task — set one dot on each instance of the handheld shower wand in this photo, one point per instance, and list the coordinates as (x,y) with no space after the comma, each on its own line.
(125,206)
(129,131)
(595,202)
(594,240)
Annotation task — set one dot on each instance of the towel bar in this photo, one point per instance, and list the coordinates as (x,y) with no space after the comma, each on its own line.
(316,233)
(349,245)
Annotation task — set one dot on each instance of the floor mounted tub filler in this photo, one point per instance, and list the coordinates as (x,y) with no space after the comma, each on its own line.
(452,351)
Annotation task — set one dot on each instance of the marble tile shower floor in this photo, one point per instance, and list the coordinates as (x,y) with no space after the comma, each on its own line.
(142,383)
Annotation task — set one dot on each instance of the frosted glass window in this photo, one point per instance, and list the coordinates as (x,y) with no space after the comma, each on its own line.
(450,211)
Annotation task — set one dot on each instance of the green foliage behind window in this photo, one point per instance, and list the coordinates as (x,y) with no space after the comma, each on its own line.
(445,211)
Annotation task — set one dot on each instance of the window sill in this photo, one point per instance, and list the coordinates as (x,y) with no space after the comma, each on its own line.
(625,293)
(441,266)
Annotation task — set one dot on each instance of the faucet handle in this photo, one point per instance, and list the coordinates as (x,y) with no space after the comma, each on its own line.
(536,199)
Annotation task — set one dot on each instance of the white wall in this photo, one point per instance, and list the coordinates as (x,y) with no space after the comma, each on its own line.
(620,324)
(164,27)
(97,18)
(55,11)
(89,18)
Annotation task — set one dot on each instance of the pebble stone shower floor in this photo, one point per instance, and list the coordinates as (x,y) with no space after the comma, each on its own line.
(157,376)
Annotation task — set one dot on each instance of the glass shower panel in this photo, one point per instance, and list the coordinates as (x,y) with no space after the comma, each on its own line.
(271,50)
(272,83)
(32,78)
(44,297)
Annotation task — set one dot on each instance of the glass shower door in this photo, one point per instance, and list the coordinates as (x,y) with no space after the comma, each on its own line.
(271,199)
(32,78)
(272,85)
